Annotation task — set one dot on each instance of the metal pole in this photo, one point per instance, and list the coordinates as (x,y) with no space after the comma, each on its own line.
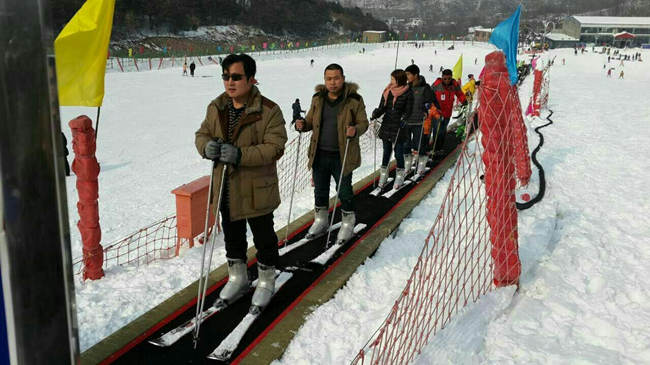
(374,162)
(293,188)
(396,52)
(200,300)
(97,122)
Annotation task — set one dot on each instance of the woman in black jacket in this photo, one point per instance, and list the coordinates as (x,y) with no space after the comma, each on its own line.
(396,106)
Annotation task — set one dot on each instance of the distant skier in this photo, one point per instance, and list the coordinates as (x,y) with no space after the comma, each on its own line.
(563,62)
(412,62)
(185,69)
(296,110)
(311,63)
(609,72)
(192,68)
(620,76)
(441,69)
(244,132)
(476,61)
(396,106)
(430,68)
(337,116)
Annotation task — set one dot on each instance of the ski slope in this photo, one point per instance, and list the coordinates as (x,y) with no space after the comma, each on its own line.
(583,297)
(145,147)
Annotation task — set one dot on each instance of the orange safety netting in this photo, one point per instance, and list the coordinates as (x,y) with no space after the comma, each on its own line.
(472,246)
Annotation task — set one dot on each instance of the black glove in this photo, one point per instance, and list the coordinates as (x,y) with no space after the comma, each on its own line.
(230,154)
(212,149)
(376,113)
(464,103)
(478,82)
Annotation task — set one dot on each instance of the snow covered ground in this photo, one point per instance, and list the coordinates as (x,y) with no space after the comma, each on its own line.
(146,149)
(584,248)
(582,300)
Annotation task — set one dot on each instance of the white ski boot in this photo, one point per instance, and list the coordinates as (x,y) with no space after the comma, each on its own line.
(422,164)
(265,285)
(348,219)
(408,162)
(238,282)
(383,176)
(320,223)
(399,178)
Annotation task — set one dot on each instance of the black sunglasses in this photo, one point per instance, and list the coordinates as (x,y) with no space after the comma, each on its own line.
(234,77)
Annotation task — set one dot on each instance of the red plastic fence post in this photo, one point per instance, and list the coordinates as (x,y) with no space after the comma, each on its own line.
(86,169)
(494,112)
(119,64)
(537,88)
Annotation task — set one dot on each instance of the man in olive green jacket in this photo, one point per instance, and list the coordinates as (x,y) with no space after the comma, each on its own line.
(337,113)
(244,131)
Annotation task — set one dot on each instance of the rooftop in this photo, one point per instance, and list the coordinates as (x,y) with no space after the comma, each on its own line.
(560,37)
(613,20)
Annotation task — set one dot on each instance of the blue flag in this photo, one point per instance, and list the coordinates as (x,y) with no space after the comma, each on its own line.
(506,37)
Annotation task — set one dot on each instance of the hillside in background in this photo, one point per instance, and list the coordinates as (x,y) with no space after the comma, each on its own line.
(286,18)
(455,16)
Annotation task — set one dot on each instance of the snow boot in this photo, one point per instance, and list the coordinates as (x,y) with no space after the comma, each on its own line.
(238,283)
(408,162)
(422,164)
(399,178)
(320,223)
(383,176)
(348,219)
(265,285)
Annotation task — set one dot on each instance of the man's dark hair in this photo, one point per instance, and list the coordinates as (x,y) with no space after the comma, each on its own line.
(334,66)
(413,69)
(400,77)
(447,72)
(249,63)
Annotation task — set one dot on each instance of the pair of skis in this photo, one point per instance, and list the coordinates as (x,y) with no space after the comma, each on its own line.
(230,343)
(227,347)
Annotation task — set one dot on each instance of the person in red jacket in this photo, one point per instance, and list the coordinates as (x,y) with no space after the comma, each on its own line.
(445,88)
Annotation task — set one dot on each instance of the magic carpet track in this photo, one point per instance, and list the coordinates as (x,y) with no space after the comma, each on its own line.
(369,210)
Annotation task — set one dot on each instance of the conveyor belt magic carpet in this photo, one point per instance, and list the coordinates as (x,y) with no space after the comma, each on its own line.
(369,210)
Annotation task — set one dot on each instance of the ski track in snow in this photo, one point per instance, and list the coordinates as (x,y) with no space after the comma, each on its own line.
(584,252)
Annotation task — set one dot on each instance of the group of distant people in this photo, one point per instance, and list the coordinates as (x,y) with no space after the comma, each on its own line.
(192,68)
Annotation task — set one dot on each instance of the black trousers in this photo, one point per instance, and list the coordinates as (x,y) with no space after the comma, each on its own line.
(264,237)
(327,165)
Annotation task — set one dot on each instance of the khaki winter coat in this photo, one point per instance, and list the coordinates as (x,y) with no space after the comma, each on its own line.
(261,136)
(353,112)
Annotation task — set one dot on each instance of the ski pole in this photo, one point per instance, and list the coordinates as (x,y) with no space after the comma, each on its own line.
(338,186)
(374,161)
(203,280)
(433,148)
(293,188)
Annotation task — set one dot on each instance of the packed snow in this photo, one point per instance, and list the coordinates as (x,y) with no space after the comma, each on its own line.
(582,298)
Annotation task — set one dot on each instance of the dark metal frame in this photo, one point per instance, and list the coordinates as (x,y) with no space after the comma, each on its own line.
(35,260)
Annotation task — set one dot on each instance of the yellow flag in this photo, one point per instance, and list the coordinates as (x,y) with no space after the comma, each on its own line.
(81,50)
(458,69)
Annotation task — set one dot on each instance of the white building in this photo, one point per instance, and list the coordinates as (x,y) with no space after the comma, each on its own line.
(608,29)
